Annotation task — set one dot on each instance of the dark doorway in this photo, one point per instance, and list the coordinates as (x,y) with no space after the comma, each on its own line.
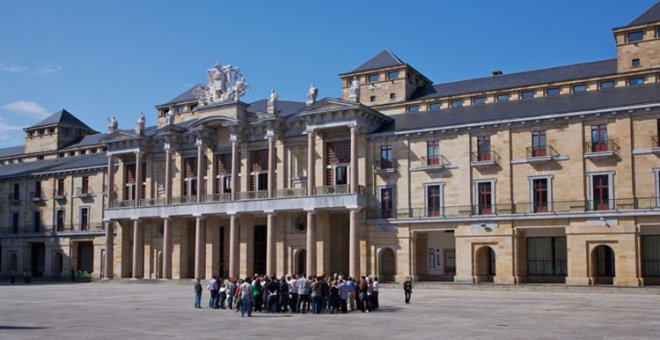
(259,258)
(86,256)
(221,249)
(38,259)
(603,265)
(301,262)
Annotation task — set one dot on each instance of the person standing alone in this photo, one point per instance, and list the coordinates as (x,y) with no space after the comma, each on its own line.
(407,289)
(198,294)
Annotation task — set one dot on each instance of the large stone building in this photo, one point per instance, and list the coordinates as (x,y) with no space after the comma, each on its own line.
(548,175)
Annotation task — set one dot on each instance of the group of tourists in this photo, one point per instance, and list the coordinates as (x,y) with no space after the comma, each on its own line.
(295,294)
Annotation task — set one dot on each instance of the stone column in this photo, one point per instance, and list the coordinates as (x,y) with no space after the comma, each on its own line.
(354,244)
(233,245)
(138,178)
(138,249)
(168,173)
(311,176)
(200,166)
(200,248)
(354,159)
(167,248)
(111,180)
(310,261)
(271,166)
(234,167)
(109,249)
(270,244)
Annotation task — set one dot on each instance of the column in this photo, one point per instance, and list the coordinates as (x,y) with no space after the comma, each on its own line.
(200,248)
(109,249)
(270,244)
(167,248)
(310,260)
(271,166)
(234,167)
(354,159)
(200,167)
(233,246)
(111,180)
(138,249)
(311,175)
(168,174)
(138,179)
(354,244)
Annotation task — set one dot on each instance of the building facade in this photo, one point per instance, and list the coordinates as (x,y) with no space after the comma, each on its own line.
(548,175)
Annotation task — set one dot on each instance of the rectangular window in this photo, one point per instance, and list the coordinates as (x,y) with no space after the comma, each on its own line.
(14,223)
(457,103)
(635,36)
(433,200)
(373,78)
(37,221)
(540,194)
(180,109)
(599,138)
(450,261)
(60,187)
(600,192)
(553,91)
(85,185)
(546,256)
(579,88)
(392,75)
(16,193)
(635,62)
(341,175)
(413,108)
(386,202)
(434,106)
(502,98)
(604,85)
(84,218)
(226,184)
(485,198)
(392,95)
(59,220)
(386,156)
(539,144)
(636,81)
(262,181)
(37,189)
(432,153)
(372,98)
(483,148)
(651,255)
(479,101)
(527,95)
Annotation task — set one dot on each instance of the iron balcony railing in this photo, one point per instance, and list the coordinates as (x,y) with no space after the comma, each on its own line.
(54,228)
(654,142)
(218,197)
(84,193)
(438,161)
(150,202)
(384,165)
(543,151)
(37,196)
(491,157)
(607,146)
(291,192)
(252,195)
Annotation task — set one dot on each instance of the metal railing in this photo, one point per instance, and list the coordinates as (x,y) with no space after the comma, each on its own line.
(332,190)
(84,193)
(219,197)
(383,164)
(252,195)
(542,152)
(438,161)
(608,146)
(491,156)
(291,192)
(53,228)
(150,202)
(58,195)
(37,196)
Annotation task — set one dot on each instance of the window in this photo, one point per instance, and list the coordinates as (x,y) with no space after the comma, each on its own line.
(225,184)
(432,153)
(635,62)
(413,108)
(608,84)
(190,179)
(16,192)
(392,95)
(341,175)
(372,98)
(37,221)
(657,33)
(457,103)
(527,95)
(180,109)
(540,194)
(84,218)
(83,151)
(450,261)
(479,100)
(386,156)
(386,202)
(599,138)
(392,75)
(60,187)
(59,220)
(502,98)
(485,197)
(635,36)
(539,147)
(651,255)
(373,78)
(433,198)
(37,189)
(93,150)
(14,223)
(601,191)
(262,181)
(42,132)
(546,256)
(483,148)
(85,185)
(636,81)
(579,88)
(51,131)
(553,91)
(434,106)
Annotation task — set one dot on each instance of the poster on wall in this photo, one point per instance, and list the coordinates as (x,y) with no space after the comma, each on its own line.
(435,266)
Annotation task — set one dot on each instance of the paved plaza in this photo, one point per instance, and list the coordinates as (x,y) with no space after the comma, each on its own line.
(165,310)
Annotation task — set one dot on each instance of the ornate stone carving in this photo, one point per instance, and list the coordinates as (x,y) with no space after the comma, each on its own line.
(354,91)
(113,125)
(223,84)
(139,125)
(311,95)
(272,102)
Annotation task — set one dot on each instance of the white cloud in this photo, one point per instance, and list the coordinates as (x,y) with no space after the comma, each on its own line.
(7,130)
(13,68)
(44,70)
(27,109)
(35,71)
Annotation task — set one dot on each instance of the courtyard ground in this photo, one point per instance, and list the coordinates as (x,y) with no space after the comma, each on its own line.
(144,310)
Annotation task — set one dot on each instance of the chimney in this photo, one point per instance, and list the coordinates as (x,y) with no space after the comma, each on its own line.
(497,73)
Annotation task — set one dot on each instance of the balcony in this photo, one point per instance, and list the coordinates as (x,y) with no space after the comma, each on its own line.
(484,159)
(436,163)
(332,190)
(190,199)
(150,202)
(37,196)
(252,195)
(60,195)
(80,193)
(291,192)
(541,154)
(46,230)
(655,144)
(601,150)
(219,197)
(384,167)
(13,199)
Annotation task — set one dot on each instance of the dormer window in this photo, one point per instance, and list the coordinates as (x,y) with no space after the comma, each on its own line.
(608,84)
(479,101)
(41,132)
(579,88)
(553,91)
(635,36)
(457,103)
(413,108)
(373,78)
(527,95)
(503,98)
(180,109)
(635,62)
(434,106)
(393,75)
(636,81)
(51,130)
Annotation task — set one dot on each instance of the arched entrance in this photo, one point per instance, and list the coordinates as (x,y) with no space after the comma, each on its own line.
(386,265)
(603,270)
(301,263)
(485,265)
(57,264)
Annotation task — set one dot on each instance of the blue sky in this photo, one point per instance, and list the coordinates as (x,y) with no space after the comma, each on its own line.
(118,58)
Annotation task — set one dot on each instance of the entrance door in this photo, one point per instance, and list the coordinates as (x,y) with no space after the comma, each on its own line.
(38,259)
(86,256)
(301,262)
(603,265)
(485,264)
(259,258)
(387,266)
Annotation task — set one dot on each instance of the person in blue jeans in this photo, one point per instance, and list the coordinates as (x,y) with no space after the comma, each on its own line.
(246,297)
(198,294)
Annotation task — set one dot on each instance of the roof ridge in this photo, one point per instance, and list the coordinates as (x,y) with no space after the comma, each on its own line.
(652,14)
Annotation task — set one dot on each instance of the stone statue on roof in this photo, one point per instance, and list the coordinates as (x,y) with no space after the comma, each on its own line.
(113,125)
(224,83)
(170,116)
(272,102)
(311,94)
(354,90)
(139,125)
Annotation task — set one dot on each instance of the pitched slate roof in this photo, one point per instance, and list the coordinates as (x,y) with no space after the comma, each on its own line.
(520,79)
(12,151)
(381,60)
(650,15)
(285,108)
(62,117)
(186,96)
(520,109)
(49,166)
(88,140)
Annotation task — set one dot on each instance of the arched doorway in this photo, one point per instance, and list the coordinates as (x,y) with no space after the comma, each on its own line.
(386,265)
(57,264)
(603,269)
(485,265)
(301,263)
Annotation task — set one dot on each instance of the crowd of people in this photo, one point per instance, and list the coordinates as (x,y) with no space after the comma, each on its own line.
(295,294)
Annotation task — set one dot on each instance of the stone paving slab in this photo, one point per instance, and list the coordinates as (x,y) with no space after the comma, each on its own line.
(148,311)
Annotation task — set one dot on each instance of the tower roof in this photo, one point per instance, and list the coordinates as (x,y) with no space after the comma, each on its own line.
(650,15)
(61,117)
(381,60)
